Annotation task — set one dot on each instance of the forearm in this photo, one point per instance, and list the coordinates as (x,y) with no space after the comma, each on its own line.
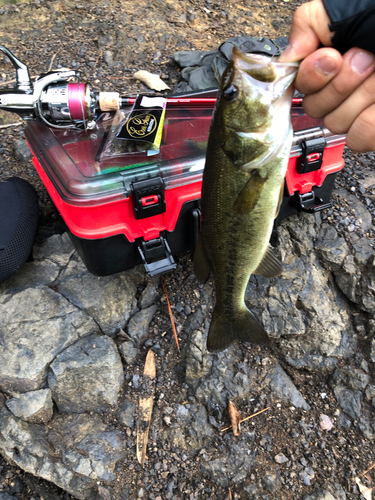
(353,24)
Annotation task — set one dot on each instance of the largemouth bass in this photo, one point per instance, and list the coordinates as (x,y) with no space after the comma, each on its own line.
(243,182)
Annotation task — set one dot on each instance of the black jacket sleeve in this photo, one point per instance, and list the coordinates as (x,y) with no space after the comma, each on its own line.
(353,22)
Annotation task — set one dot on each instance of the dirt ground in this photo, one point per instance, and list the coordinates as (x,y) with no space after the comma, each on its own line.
(108,41)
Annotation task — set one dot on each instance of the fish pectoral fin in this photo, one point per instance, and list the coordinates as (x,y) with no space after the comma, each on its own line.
(201,266)
(243,326)
(270,266)
(250,194)
(241,149)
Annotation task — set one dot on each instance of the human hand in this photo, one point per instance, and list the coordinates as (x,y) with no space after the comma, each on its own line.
(340,89)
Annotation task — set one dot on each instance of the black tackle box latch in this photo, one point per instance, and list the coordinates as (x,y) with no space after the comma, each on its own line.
(312,155)
(156,256)
(148,198)
(308,202)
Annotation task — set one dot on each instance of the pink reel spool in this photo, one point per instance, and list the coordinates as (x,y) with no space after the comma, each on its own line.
(77,101)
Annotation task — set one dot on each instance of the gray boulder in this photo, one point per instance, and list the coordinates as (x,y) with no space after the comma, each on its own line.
(139,323)
(35,407)
(29,447)
(87,376)
(302,307)
(109,300)
(36,325)
(281,385)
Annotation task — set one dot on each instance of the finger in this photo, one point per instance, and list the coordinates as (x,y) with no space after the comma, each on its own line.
(308,31)
(342,118)
(361,136)
(357,66)
(317,70)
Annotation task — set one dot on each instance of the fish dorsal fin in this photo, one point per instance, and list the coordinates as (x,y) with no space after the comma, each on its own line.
(250,193)
(270,266)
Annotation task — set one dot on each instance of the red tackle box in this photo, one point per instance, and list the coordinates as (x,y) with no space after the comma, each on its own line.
(136,208)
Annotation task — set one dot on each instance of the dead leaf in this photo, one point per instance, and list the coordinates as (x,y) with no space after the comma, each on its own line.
(235,418)
(152,81)
(145,407)
(365,491)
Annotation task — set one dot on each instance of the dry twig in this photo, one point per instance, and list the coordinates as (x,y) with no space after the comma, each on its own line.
(247,418)
(11,125)
(170,313)
(51,63)
(235,418)
(368,470)
(145,408)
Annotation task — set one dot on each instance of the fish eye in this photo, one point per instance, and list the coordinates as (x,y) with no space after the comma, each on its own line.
(230,92)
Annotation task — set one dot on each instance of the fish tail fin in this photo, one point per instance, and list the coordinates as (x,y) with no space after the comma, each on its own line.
(243,326)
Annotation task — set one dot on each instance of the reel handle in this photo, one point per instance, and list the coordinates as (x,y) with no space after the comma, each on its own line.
(23,76)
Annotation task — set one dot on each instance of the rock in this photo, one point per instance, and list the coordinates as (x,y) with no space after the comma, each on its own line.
(281,458)
(7,496)
(22,151)
(126,414)
(252,492)
(303,307)
(363,250)
(351,377)
(139,323)
(87,376)
(282,386)
(28,446)
(231,465)
(319,494)
(49,258)
(272,482)
(360,210)
(34,407)
(331,248)
(325,422)
(109,300)
(350,401)
(108,58)
(36,325)
(149,295)
(87,446)
(192,431)
(129,352)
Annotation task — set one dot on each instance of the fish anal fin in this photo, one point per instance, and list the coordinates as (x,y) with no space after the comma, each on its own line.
(243,326)
(201,265)
(250,194)
(270,266)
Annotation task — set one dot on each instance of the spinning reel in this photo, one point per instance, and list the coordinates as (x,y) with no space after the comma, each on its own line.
(58,98)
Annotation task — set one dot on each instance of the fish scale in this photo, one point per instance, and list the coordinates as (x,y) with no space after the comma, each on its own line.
(247,157)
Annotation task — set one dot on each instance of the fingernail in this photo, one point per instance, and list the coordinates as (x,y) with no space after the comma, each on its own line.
(286,53)
(326,65)
(361,61)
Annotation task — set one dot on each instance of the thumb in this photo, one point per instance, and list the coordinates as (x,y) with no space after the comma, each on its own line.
(309,30)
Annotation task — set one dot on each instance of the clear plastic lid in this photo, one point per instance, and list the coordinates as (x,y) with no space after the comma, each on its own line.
(70,157)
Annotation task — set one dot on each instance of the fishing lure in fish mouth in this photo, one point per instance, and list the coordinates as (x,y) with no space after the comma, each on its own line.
(243,182)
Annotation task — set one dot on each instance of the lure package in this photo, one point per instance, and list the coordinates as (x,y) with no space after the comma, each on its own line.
(137,131)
